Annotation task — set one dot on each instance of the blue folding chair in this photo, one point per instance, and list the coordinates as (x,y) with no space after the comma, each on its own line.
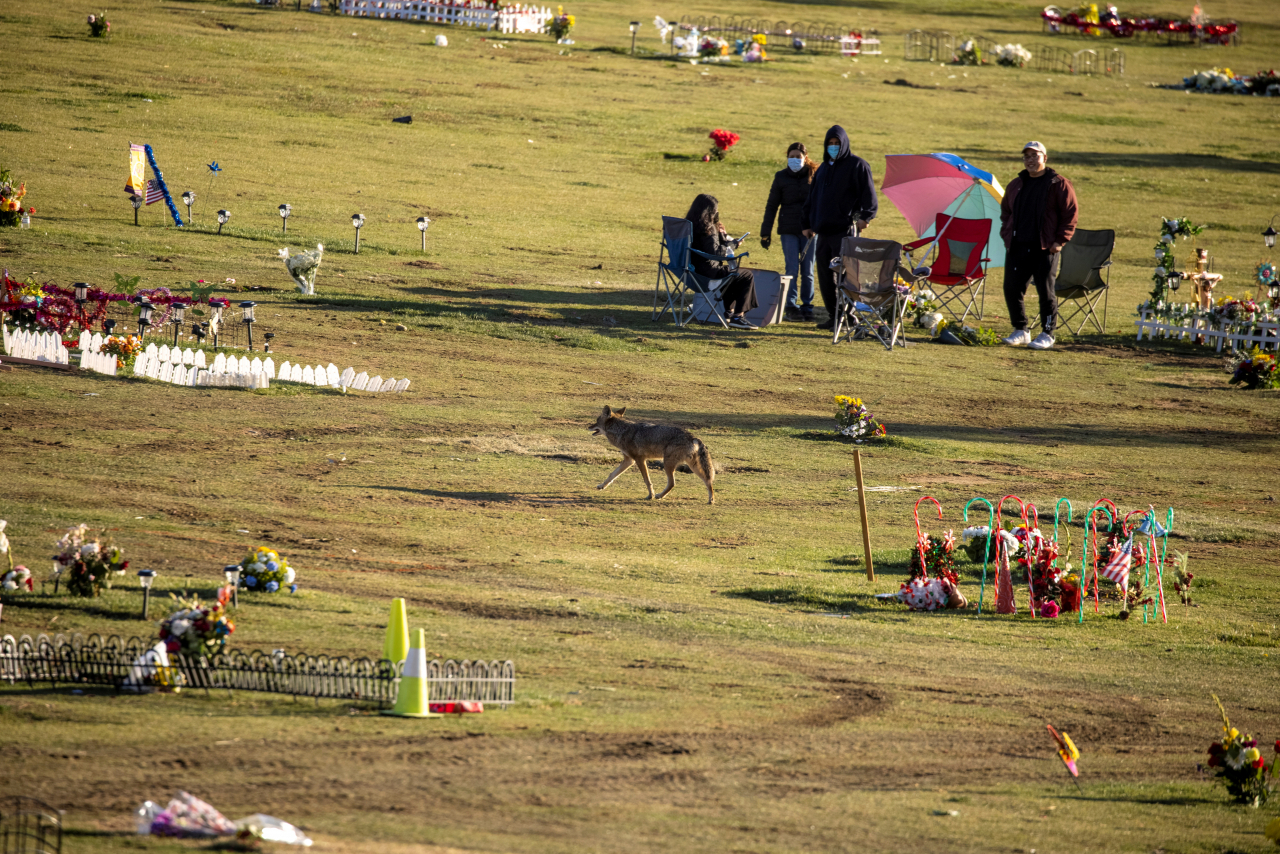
(678,286)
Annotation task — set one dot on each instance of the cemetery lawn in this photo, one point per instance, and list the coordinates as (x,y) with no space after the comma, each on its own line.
(690,678)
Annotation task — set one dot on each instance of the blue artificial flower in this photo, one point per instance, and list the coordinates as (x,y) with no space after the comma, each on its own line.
(272,566)
(214,167)
(273,586)
(293,588)
(250,581)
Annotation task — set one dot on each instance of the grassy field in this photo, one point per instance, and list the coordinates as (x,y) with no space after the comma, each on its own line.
(691,678)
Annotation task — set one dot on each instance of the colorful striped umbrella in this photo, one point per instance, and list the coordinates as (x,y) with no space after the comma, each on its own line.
(925,185)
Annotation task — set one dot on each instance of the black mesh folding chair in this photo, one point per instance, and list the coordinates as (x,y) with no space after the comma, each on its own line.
(869,300)
(1084,278)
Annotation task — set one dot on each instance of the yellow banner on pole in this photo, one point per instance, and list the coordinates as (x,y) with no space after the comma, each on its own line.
(137,185)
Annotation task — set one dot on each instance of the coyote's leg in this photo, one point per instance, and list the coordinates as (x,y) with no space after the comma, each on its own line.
(669,465)
(643,465)
(622,466)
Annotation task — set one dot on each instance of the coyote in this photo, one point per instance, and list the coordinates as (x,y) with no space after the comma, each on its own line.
(640,443)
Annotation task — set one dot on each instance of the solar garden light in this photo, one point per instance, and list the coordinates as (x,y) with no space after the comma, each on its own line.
(187,198)
(423,222)
(635,25)
(247,308)
(82,293)
(146,577)
(1269,236)
(357,220)
(179,313)
(232,572)
(136,201)
(223,216)
(199,330)
(285,210)
(144,317)
(109,326)
(266,347)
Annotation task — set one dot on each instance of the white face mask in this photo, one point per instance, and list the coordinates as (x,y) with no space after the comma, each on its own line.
(795,163)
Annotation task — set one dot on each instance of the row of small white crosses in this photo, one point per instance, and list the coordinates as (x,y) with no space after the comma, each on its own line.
(38,346)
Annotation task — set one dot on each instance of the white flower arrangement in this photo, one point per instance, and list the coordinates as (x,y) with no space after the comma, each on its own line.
(302,267)
(1013,55)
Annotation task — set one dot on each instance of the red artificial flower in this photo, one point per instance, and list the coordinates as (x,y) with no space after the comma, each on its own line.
(172,645)
(1278,745)
(1214,761)
(31,211)
(724,139)
(1259,762)
(164,633)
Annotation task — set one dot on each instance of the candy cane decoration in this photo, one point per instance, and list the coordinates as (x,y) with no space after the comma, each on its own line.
(1056,508)
(986,551)
(1092,522)
(921,540)
(1033,555)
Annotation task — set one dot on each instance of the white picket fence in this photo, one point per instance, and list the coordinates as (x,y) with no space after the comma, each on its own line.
(507,19)
(187,367)
(37,346)
(1236,336)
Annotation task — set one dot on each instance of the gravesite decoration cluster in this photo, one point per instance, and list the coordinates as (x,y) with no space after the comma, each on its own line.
(1103,574)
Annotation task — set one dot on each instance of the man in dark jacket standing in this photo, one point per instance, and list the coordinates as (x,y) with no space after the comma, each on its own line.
(843,195)
(1037,217)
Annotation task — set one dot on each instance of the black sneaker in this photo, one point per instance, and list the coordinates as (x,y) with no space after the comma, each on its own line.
(794,315)
(741,323)
(807,314)
(827,326)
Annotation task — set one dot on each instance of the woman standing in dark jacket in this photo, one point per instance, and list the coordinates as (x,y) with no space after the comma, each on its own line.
(787,198)
(738,292)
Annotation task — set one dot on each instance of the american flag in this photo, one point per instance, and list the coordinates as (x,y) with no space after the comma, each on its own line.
(154,193)
(1117,568)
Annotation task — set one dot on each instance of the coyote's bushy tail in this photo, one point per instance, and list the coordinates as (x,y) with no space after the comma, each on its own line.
(708,470)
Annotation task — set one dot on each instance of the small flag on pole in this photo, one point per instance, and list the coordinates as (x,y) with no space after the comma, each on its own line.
(1117,568)
(154,193)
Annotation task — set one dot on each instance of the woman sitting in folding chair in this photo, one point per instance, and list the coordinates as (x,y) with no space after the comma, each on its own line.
(710,244)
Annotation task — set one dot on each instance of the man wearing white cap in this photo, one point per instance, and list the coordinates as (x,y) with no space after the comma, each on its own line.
(1037,217)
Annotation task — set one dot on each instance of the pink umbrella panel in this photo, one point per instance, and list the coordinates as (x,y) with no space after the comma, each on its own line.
(922,186)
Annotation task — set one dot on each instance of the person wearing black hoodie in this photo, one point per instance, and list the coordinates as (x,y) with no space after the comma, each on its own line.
(843,195)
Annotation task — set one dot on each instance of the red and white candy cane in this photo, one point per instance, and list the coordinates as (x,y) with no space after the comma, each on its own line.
(922,541)
(1005,602)
(1033,551)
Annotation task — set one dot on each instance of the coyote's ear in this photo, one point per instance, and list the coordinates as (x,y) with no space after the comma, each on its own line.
(622,411)
(607,411)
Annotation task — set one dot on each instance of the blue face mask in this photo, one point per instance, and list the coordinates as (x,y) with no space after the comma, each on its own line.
(795,163)
(833,151)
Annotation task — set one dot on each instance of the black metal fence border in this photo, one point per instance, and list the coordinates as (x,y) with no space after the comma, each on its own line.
(122,663)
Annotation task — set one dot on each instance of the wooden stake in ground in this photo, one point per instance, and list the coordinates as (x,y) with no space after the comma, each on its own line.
(862,512)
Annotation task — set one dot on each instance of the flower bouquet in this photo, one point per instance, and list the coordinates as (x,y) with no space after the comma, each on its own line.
(561,25)
(939,558)
(197,629)
(11,210)
(970,54)
(712,48)
(724,140)
(1012,55)
(929,594)
(125,348)
(1254,370)
(99,26)
(1182,578)
(1166,275)
(949,332)
(87,563)
(856,421)
(302,267)
(18,576)
(1238,764)
(265,570)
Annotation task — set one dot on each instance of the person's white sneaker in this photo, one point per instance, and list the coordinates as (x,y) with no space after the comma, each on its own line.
(1020,338)
(1043,341)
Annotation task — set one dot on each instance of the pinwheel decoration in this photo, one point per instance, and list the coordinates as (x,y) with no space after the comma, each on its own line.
(1067,752)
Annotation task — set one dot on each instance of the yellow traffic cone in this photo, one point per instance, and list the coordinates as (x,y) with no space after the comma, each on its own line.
(411,700)
(396,643)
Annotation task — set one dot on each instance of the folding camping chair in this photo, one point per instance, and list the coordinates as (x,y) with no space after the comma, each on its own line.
(869,301)
(678,286)
(958,273)
(1084,277)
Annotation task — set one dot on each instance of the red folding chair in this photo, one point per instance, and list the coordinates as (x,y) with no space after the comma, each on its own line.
(958,273)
